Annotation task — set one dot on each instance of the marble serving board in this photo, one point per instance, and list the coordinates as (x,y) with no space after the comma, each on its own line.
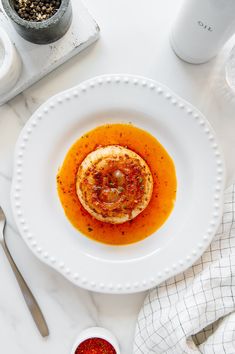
(39,60)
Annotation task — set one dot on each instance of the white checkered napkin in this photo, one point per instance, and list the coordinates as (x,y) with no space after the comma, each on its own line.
(194,312)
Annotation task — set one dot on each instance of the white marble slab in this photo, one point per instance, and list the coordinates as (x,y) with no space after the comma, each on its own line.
(39,60)
(134,40)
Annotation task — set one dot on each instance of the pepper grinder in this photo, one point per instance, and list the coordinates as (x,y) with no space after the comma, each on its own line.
(202,28)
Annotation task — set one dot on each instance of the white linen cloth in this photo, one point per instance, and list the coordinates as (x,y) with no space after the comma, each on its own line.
(193,312)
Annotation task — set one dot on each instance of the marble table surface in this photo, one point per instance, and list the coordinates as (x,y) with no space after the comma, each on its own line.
(134,39)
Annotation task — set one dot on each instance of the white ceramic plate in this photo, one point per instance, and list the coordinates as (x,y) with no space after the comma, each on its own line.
(180,128)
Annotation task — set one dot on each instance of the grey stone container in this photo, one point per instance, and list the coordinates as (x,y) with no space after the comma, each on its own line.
(46,31)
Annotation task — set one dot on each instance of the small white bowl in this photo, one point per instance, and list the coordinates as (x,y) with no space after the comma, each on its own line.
(96,332)
(10,63)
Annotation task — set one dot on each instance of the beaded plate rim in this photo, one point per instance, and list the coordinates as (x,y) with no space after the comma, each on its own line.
(60,265)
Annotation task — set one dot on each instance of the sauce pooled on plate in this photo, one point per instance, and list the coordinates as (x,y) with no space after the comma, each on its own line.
(163,193)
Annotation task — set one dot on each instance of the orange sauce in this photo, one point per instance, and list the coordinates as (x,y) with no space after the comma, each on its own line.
(164,184)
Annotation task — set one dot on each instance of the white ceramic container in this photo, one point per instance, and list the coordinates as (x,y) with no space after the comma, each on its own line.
(10,63)
(96,332)
(202,28)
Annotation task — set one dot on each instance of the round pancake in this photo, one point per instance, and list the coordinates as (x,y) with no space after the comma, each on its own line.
(114,184)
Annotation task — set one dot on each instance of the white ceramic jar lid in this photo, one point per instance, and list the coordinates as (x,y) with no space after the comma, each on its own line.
(96,332)
(10,63)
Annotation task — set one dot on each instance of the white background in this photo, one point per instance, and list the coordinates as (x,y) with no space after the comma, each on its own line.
(134,39)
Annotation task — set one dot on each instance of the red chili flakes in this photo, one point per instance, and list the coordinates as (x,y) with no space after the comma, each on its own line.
(95,346)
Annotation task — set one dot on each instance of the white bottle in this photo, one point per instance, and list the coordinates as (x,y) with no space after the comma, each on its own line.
(202,28)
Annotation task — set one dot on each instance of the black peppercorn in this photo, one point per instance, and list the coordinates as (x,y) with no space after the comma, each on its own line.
(36,10)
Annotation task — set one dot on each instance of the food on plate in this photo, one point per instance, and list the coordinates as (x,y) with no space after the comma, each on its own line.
(114,184)
(131,197)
